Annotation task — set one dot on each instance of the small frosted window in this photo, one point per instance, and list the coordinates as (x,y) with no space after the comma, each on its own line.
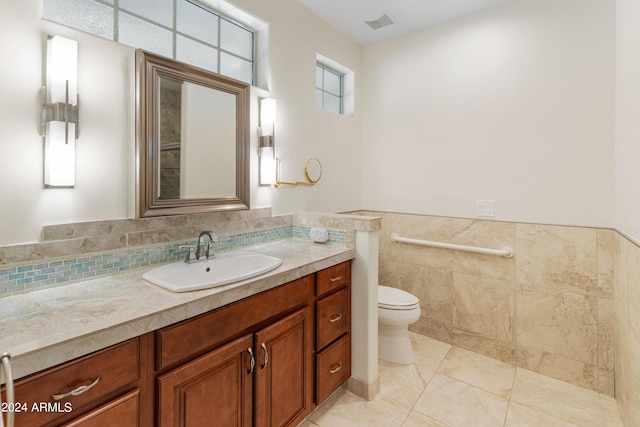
(329,89)
(332,103)
(236,39)
(195,53)
(182,29)
(236,68)
(197,22)
(160,11)
(84,15)
(332,82)
(138,33)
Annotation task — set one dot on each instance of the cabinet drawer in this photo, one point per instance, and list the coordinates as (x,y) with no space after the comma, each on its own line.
(109,370)
(119,412)
(192,337)
(333,316)
(333,367)
(333,277)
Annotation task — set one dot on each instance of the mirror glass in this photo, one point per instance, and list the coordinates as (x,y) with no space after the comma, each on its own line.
(193,140)
(313,170)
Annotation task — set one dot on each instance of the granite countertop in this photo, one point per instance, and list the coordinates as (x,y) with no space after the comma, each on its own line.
(44,328)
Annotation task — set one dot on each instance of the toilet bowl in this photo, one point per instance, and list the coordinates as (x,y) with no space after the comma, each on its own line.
(397,309)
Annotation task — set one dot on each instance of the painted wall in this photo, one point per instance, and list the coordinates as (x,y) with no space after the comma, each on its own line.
(627,149)
(105,180)
(514,104)
(102,149)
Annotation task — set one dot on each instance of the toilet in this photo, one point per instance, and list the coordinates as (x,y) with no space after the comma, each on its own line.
(397,309)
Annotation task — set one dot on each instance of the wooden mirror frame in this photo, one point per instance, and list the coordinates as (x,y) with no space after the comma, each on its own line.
(149,67)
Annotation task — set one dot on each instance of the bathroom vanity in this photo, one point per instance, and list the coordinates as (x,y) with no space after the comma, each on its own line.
(265,358)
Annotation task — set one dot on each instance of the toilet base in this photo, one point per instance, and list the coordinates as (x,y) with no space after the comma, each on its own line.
(394,344)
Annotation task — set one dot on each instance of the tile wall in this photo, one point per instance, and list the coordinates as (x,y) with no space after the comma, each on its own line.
(548,309)
(82,251)
(627,331)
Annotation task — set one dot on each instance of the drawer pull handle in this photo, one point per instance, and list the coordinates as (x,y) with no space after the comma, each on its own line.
(336,369)
(253,360)
(335,279)
(336,318)
(76,391)
(266,355)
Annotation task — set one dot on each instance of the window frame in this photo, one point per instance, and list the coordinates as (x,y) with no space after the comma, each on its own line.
(325,68)
(219,15)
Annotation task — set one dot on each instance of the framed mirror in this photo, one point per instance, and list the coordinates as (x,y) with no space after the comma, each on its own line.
(192,139)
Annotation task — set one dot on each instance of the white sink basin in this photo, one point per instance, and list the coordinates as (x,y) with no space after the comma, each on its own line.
(223,269)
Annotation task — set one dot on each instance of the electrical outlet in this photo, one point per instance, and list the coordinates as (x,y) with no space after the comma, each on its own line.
(485,208)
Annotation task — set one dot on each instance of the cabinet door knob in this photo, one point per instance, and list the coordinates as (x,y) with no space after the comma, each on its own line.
(76,391)
(266,355)
(252,363)
(335,279)
(336,318)
(336,369)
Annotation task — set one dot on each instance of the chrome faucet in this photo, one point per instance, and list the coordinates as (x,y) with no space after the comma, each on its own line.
(212,239)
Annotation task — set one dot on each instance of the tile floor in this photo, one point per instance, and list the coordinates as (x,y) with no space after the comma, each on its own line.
(451,387)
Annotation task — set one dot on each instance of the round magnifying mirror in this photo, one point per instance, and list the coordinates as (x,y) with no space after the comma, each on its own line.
(313,170)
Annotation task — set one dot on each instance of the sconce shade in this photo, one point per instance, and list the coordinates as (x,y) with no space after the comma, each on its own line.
(267,166)
(62,67)
(59,154)
(267,116)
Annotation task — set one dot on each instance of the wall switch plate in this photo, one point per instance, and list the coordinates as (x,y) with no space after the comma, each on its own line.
(485,208)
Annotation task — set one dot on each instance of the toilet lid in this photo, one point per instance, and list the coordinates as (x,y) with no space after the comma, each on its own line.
(395,298)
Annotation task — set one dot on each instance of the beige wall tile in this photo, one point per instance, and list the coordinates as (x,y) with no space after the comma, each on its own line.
(433,288)
(426,228)
(557,258)
(561,368)
(564,324)
(484,306)
(499,350)
(605,334)
(485,234)
(554,298)
(606,246)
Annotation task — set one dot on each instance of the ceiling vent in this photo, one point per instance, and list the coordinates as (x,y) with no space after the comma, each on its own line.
(383,21)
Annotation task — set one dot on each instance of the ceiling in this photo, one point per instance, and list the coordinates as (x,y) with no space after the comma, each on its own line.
(348,16)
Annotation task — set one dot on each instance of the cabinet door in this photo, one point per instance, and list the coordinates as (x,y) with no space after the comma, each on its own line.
(284,372)
(214,389)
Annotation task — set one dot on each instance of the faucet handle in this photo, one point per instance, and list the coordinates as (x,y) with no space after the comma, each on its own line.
(191,254)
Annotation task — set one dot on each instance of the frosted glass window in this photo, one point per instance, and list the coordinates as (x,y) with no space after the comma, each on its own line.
(198,54)
(138,33)
(236,39)
(236,68)
(197,22)
(329,89)
(160,11)
(84,15)
(332,103)
(196,35)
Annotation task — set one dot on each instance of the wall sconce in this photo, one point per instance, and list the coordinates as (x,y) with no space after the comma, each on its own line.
(266,147)
(59,117)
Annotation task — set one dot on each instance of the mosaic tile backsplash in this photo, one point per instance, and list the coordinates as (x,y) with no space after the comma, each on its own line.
(40,271)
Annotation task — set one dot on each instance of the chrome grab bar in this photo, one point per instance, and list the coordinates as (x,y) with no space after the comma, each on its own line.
(8,379)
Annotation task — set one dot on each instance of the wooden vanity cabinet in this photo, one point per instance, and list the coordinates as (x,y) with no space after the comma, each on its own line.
(266,360)
(263,377)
